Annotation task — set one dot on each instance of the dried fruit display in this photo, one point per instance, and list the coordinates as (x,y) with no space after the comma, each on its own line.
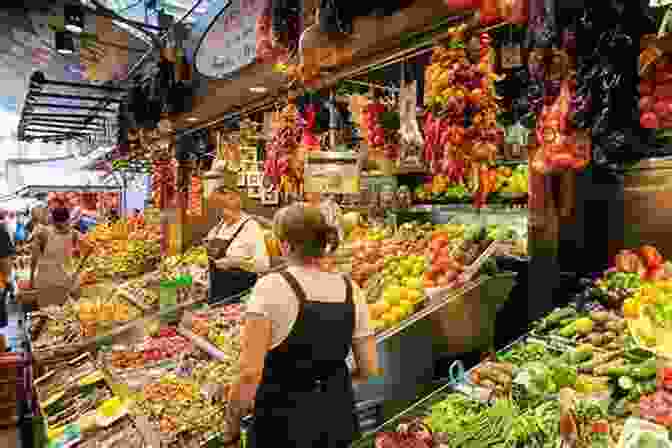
(167,345)
(178,410)
(122,249)
(164,183)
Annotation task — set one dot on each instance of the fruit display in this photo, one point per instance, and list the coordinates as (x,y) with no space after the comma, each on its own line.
(77,320)
(509,184)
(123,250)
(167,344)
(94,315)
(655,90)
(179,412)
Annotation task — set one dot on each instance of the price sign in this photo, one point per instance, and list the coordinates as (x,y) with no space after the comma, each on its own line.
(332,172)
(230,43)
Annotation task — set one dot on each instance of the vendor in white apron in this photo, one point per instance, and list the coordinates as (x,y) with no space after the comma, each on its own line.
(236,245)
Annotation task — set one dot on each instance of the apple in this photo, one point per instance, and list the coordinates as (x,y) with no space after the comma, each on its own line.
(392,295)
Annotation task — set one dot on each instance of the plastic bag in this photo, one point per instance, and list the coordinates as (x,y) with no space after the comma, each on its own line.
(489,12)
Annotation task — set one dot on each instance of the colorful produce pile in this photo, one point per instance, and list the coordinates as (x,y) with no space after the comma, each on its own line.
(509,184)
(461,132)
(166,345)
(178,409)
(655,103)
(120,249)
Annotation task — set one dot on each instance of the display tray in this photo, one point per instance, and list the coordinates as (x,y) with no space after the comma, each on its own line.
(79,406)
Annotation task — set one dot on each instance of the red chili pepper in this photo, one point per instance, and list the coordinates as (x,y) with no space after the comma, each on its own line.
(651,256)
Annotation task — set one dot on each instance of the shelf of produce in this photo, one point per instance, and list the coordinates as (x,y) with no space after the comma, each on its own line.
(408,351)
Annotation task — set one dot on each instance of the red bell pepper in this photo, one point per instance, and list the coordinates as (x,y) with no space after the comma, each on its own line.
(651,256)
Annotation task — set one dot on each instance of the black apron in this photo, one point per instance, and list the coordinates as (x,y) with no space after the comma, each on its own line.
(224,284)
(306,398)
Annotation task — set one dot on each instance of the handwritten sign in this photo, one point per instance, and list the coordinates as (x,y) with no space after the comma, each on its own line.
(230,42)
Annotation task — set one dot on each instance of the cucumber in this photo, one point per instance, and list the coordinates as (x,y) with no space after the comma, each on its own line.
(626,383)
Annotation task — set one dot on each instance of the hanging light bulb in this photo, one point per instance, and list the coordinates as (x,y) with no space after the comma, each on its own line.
(74,18)
(65,44)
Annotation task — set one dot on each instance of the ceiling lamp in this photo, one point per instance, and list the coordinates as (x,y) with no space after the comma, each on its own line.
(74,18)
(65,44)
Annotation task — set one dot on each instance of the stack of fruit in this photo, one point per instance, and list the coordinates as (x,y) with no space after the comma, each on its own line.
(119,250)
(402,291)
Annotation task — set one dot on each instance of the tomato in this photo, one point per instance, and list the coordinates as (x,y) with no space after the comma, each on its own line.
(646,104)
(648,120)
(651,256)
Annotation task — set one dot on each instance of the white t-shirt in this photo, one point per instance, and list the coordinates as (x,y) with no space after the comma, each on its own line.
(250,242)
(274,299)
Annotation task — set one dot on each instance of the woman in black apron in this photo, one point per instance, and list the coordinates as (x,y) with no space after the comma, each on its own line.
(236,245)
(304,396)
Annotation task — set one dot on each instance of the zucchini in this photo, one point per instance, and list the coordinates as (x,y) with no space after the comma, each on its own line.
(568,331)
(645,370)
(620,371)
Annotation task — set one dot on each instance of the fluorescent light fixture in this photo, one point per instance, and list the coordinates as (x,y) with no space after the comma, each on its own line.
(258,89)
(192,119)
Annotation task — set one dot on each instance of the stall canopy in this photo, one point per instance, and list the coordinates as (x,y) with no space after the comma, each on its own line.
(41,179)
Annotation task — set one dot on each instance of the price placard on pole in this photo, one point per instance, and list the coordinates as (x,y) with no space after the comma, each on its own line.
(332,172)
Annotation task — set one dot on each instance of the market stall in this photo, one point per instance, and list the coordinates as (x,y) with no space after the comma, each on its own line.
(593,372)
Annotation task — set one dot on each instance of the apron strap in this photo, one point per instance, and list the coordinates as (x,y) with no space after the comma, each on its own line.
(296,287)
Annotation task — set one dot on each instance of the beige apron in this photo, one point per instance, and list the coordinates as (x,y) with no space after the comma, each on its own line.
(53,279)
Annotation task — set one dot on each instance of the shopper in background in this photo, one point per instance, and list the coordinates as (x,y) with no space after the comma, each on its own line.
(38,218)
(330,209)
(299,328)
(236,245)
(7,253)
(52,261)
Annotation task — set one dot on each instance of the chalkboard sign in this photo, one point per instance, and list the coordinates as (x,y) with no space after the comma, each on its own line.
(230,43)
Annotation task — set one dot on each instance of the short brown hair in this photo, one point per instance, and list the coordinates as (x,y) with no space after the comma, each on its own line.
(305,229)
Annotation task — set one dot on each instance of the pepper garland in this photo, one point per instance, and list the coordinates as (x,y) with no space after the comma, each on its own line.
(461,130)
